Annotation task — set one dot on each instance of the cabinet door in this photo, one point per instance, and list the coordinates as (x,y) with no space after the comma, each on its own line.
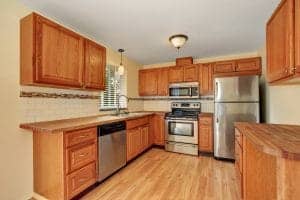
(205,134)
(297,35)
(95,63)
(206,78)
(250,64)
(190,73)
(176,74)
(205,138)
(163,82)
(59,55)
(224,67)
(280,39)
(144,137)
(148,82)
(159,129)
(133,143)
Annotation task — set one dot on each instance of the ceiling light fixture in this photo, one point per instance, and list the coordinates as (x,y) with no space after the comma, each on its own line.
(121,66)
(178,40)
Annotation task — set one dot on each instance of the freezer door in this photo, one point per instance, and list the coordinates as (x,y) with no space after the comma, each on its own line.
(237,89)
(225,116)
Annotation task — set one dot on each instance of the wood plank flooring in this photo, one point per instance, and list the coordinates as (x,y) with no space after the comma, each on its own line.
(160,175)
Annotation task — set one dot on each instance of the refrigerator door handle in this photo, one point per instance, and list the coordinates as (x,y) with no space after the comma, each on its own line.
(217,88)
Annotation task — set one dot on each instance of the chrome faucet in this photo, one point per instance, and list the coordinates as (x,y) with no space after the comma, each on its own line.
(118,103)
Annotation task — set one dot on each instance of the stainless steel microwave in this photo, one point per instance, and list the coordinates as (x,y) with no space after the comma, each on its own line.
(184,90)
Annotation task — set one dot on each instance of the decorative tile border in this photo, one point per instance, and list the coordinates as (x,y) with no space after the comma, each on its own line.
(57,95)
(83,96)
(171,99)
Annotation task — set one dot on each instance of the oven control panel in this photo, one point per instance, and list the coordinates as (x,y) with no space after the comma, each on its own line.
(192,105)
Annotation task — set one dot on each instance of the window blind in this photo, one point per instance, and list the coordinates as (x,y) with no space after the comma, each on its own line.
(114,85)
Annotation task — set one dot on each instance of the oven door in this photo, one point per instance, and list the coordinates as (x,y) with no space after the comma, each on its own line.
(185,131)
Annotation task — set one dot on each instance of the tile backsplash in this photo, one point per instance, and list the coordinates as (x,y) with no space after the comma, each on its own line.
(165,105)
(45,109)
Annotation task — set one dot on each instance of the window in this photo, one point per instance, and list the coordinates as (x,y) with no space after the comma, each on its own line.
(114,85)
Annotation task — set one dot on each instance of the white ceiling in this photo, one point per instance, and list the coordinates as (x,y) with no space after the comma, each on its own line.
(142,27)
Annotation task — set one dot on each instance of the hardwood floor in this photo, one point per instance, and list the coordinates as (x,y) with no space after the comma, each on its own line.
(163,175)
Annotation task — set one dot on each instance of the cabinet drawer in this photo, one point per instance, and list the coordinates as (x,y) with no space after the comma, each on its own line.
(80,180)
(80,136)
(79,156)
(136,122)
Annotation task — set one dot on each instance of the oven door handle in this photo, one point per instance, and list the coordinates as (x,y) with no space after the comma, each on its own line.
(182,121)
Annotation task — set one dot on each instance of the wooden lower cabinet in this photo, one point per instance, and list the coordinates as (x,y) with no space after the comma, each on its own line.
(239,159)
(133,143)
(137,135)
(65,163)
(206,133)
(80,180)
(158,129)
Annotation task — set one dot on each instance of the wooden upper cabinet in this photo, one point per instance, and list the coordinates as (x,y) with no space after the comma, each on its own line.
(59,54)
(163,82)
(238,67)
(297,35)
(148,82)
(280,42)
(176,74)
(224,67)
(54,56)
(250,64)
(206,78)
(95,62)
(190,73)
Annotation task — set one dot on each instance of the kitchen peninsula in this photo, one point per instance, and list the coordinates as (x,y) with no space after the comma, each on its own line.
(268,160)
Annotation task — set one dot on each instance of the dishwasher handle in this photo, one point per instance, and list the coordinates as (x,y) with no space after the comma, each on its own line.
(111,128)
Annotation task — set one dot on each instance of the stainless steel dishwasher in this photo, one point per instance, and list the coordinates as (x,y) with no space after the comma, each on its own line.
(112,148)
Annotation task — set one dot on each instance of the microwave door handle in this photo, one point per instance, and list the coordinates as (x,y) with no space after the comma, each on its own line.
(191,92)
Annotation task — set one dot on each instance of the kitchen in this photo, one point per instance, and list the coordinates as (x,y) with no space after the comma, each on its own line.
(26,102)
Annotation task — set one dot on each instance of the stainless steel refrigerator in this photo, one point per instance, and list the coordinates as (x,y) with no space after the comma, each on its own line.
(236,100)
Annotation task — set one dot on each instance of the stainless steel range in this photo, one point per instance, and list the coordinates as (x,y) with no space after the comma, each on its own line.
(181,132)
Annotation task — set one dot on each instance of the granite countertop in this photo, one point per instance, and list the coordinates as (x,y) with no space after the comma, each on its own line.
(79,123)
(277,140)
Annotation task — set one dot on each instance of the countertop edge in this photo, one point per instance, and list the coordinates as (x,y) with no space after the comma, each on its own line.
(34,128)
(266,147)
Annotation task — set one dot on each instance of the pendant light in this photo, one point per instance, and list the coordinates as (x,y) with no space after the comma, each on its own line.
(121,67)
(178,40)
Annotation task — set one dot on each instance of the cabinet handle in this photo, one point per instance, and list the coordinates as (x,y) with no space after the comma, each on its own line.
(82,155)
(82,136)
(286,70)
(217,88)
